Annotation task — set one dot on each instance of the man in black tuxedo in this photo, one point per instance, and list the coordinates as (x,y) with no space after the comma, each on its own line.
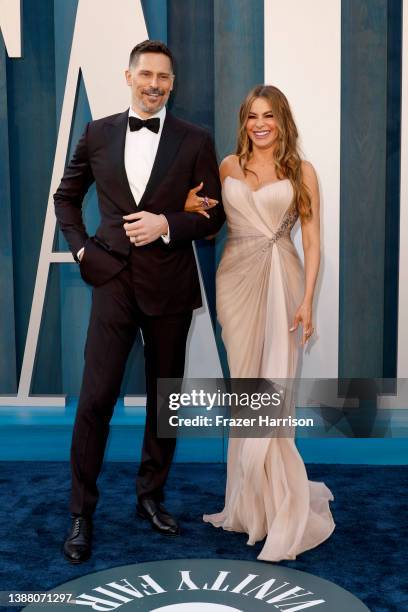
(142,268)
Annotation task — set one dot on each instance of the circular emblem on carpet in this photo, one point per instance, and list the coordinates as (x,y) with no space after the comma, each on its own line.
(200,585)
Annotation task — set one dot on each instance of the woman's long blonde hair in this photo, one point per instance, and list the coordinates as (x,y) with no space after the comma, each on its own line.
(286,155)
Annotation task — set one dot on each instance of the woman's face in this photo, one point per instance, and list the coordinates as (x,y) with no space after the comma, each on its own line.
(261,126)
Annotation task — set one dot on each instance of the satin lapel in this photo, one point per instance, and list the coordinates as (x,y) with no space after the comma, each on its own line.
(115,133)
(170,141)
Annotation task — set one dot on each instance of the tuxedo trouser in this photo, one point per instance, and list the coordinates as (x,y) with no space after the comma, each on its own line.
(114,322)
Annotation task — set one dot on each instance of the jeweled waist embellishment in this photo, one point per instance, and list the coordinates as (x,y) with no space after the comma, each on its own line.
(284,228)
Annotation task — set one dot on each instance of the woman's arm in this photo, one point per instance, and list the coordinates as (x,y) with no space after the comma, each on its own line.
(311,248)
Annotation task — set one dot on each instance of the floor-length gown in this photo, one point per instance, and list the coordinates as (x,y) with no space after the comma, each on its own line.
(260,283)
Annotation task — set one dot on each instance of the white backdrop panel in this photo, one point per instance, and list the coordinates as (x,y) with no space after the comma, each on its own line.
(303,59)
(10,26)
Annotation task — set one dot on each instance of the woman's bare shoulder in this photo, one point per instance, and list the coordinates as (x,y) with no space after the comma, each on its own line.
(310,179)
(307,168)
(230,161)
(229,166)
(309,174)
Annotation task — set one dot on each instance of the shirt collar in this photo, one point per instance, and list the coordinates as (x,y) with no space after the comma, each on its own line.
(161,114)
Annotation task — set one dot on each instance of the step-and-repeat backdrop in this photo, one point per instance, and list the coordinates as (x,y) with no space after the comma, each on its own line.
(343,67)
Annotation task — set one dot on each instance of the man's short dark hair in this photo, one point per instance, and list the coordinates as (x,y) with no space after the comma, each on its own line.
(150,46)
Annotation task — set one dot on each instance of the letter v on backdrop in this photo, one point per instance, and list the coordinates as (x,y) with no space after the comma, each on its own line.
(103,36)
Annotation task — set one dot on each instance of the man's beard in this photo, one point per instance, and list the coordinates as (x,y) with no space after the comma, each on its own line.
(152,91)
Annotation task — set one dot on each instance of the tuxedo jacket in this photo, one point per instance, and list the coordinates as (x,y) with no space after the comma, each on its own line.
(165,277)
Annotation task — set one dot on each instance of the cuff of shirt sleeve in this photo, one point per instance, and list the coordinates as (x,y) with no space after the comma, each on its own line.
(166,237)
(79,254)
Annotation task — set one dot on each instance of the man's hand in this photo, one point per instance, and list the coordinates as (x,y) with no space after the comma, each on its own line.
(144,227)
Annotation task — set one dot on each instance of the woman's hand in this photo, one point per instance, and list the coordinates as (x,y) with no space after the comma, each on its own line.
(304,317)
(198,204)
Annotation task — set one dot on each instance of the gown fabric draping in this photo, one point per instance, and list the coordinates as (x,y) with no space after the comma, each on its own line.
(259,284)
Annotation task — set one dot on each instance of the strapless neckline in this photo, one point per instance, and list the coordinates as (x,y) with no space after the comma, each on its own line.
(268,184)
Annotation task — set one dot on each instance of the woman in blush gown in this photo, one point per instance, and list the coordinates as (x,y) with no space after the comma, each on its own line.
(263,295)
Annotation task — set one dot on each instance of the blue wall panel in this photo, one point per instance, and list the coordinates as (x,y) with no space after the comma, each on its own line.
(363,187)
(370,185)
(392,187)
(8,378)
(239,66)
(31,103)
(193,98)
(155,14)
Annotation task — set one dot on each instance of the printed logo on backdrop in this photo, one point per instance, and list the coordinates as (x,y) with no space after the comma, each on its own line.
(124,28)
(202,585)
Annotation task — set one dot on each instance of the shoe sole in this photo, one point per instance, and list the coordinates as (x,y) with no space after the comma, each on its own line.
(168,534)
(76,561)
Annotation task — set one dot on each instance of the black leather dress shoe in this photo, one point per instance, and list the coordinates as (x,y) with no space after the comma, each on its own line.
(77,546)
(158,516)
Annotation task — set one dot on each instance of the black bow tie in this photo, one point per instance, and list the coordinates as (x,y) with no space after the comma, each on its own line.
(137,124)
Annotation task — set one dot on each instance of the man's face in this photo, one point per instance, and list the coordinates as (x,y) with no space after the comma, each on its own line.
(151,81)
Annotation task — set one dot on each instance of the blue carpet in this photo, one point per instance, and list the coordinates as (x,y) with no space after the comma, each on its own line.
(366,554)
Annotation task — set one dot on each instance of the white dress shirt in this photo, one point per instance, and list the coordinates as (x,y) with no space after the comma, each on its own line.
(140,152)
